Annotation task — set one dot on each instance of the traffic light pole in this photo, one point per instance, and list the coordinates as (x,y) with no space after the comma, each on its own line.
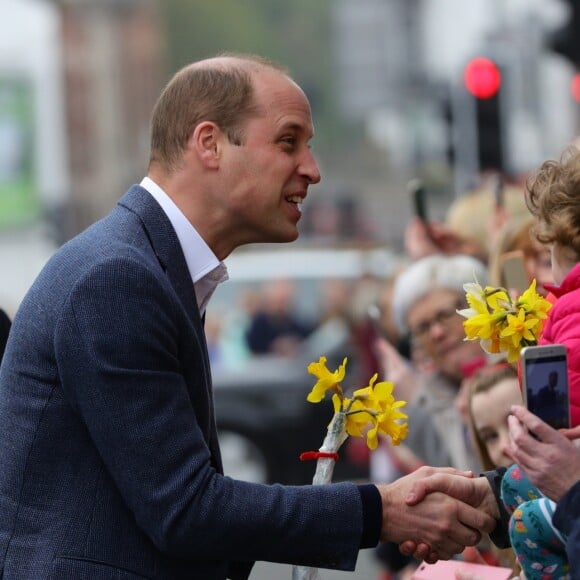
(464,140)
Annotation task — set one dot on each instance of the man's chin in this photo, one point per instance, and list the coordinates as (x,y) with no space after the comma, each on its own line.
(285,237)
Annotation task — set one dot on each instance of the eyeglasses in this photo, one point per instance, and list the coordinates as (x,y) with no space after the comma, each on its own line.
(442,317)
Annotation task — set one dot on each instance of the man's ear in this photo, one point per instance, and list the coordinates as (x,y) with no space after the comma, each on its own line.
(205,143)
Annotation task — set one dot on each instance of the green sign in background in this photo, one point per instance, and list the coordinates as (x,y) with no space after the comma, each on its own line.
(19,202)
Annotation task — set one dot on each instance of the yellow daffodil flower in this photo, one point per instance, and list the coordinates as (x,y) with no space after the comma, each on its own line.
(480,326)
(500,323)
(372,410)
(497,299)
(519,328)
(533,302)
(476,300)
(327,381)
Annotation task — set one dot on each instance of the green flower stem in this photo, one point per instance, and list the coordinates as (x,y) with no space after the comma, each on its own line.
(369,411)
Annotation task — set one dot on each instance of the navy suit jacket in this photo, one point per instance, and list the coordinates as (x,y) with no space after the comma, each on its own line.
(110,465)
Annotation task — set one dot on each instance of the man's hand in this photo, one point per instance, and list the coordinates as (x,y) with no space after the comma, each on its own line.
(437,509)
(479,509)
(551,463)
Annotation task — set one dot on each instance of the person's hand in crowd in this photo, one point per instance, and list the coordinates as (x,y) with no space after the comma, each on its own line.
(396,368)
(423,239)
(436,511)
(469,491)
(573,434)
(551,460)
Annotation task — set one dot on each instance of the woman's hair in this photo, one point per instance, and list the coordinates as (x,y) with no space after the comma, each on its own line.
(514,236)
(482,381)
(553,198)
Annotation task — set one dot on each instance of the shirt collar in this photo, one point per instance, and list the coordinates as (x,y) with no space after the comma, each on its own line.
(202,263)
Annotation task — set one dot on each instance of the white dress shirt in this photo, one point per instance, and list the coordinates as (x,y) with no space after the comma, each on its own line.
(205,269)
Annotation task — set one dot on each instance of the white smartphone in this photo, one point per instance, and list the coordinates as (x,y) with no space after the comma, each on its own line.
(545,383)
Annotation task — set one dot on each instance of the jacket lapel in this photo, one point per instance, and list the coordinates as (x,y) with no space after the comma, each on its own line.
(168,251)
(166,246)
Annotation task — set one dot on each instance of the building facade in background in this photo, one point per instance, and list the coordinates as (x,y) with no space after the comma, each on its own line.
(112,73)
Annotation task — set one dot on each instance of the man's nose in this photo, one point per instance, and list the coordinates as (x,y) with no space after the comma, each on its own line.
(309,168)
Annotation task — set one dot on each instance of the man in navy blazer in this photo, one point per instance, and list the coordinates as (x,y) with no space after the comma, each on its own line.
(110,464)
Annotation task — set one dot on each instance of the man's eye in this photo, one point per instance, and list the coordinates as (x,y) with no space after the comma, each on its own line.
(289,141)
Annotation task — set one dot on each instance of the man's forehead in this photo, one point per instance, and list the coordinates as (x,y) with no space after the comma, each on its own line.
(276,91)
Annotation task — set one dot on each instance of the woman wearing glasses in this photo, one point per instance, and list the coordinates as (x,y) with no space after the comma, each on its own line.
(425,300)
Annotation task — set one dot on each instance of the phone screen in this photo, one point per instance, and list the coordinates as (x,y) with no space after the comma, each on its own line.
(546,388)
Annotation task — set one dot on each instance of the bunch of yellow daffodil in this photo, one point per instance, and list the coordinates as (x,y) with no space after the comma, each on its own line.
(370,411)
(503,324)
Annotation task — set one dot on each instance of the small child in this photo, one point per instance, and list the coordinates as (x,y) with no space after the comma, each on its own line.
(493,389)
(553,198)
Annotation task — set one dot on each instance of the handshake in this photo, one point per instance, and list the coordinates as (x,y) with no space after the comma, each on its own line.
(434,513)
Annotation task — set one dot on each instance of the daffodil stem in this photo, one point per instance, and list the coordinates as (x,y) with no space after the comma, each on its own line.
(336,435)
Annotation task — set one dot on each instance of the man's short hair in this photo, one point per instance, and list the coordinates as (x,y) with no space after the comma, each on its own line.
(218,90)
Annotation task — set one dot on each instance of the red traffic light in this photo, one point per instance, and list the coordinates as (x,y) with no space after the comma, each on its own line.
(575,87)
(482,78)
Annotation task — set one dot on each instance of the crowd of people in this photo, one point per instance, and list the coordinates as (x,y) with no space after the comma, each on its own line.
(109,447)
(460,398)
(480,391)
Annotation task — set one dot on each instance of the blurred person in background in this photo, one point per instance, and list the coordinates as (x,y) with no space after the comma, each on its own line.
(275,327)
(473,222)
(333,334)
(111,467)
(519,237)
(422,300)
(232,344)
(364,328)
(425,302)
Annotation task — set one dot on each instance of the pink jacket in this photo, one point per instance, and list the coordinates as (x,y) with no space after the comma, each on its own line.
(563,327)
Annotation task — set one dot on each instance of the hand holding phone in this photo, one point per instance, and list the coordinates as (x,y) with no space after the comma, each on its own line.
(545,383)
(416,190)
